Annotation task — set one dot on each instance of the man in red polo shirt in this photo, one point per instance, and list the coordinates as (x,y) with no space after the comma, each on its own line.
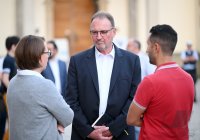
(163,102)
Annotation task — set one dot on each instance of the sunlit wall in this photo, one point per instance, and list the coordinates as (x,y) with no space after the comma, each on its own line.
(33,17)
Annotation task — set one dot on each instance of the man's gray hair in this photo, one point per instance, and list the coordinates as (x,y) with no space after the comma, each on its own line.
(101,15)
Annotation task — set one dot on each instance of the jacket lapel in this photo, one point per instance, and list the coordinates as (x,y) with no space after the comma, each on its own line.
(116,68)
(91,62)
(50,72)
(61,72)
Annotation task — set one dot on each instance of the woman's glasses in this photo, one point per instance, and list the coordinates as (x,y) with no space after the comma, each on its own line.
(48,53)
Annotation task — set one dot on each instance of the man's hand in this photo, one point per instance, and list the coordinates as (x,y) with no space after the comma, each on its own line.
(106,133)
(100,133)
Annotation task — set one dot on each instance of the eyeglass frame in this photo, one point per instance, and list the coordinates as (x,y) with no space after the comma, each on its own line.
(48,53)
(102,32)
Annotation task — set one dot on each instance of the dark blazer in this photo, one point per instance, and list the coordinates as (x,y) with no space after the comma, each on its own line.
(83,93)
(48,74)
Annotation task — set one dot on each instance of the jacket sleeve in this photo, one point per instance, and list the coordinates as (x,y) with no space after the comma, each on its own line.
(56,105)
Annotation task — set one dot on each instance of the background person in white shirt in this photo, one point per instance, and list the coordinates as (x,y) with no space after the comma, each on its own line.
(56,69)
(134,46)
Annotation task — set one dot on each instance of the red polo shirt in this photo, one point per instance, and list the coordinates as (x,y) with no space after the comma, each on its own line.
(167,95)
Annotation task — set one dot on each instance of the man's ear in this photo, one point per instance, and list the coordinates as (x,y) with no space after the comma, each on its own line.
(157,47)
(114,31)
(13,47)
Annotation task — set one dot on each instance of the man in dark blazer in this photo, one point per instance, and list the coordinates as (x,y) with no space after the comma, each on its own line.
(56,69)
(102,82)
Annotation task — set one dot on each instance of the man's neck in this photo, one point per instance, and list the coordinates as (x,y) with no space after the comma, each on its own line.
(107,50)
(163,60)
(11,54)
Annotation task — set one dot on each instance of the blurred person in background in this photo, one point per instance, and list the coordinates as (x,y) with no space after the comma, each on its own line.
(36,110)
(163,102)
(56,69)
(189,58)
(134,46)
(9,65)
(9,68)
(2,104)
(1,67)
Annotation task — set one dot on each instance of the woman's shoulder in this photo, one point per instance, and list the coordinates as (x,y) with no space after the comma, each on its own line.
(44,82)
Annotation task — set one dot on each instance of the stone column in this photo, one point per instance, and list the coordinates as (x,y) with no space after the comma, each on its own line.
(133,18)
(31,17)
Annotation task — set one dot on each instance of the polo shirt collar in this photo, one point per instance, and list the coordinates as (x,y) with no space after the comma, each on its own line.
(167,65)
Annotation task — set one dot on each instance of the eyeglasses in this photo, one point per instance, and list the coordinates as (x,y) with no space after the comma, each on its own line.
(102,32)
(48,53)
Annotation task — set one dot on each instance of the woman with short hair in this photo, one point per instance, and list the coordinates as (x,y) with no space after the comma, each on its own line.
(36,110)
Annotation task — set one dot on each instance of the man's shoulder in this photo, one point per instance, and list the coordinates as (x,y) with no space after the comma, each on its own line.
(155,78)
(84,53)
(8,62)
(8,58)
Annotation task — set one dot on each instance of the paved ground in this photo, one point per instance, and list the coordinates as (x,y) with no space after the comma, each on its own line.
(194,124)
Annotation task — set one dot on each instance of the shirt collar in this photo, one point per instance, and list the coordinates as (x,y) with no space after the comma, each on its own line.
(29,72)
(167,65)
(112,53)
(55,59)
